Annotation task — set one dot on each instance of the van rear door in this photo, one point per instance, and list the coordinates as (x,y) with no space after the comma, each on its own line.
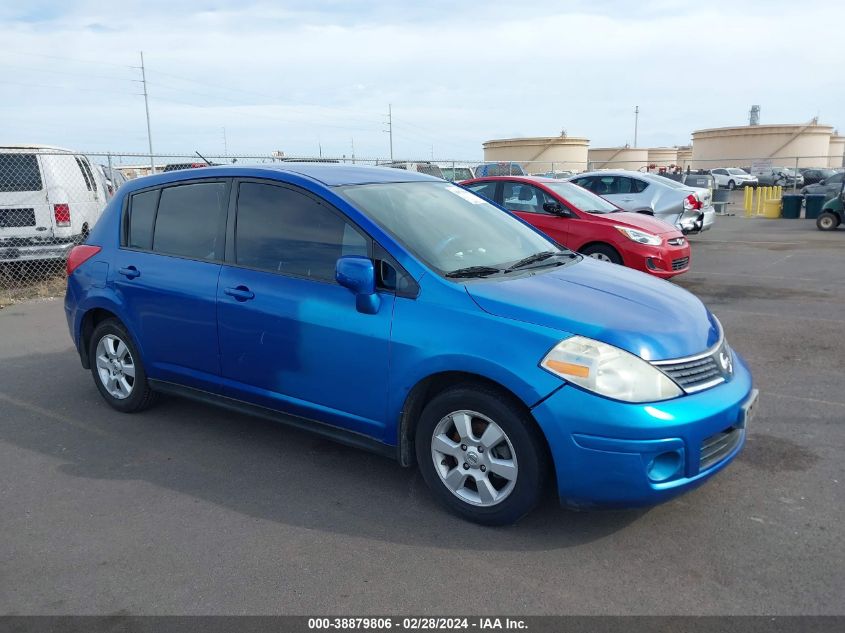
(24,207)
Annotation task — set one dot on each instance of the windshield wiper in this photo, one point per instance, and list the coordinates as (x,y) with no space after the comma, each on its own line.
(536,257)
(474,271)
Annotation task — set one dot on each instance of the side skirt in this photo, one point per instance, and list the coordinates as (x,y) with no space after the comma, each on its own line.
(342,436)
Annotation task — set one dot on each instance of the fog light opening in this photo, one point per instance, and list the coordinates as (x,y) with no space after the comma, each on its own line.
(664,466)
(650,263)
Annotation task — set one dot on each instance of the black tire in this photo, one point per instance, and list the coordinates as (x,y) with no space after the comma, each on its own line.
(141,396)
(731,185)
(603,252)
(827,221)
(522,434)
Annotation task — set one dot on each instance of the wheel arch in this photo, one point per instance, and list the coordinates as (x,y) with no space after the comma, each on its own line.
(583,247)
(89,322)
(428,388)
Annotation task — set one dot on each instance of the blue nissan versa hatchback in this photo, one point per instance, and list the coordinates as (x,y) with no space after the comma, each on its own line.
(403,314)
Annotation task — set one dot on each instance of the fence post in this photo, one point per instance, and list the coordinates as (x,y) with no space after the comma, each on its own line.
(795,180)
(111,175)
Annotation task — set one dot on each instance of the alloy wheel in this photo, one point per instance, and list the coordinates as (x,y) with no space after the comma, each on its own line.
(474,458)
(601,257)
(115,366)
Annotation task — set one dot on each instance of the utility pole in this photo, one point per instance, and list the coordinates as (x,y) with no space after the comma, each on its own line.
(636,123)
(147,108)
(225,145)
(353,149)
(389,129)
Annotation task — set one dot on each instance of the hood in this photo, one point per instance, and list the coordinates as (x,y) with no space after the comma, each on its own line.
(646,316)
(640,221)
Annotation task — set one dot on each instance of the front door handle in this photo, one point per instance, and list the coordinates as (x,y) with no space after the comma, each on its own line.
(130,272)
(240,293)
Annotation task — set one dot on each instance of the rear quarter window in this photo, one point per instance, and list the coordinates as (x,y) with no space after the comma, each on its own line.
(142,211)
(20,172)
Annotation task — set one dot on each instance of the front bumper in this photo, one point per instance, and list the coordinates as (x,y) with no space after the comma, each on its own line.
(615,454)
(661,261)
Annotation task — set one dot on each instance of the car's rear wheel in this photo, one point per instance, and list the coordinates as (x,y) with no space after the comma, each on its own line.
(827,221)
(117,368)
(481,455)
(603,252)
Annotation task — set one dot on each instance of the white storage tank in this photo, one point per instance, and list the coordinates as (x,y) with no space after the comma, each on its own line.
(836,153)
(634,158)
(540,154)
(739,146)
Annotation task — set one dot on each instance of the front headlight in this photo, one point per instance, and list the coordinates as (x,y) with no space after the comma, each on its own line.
(609,371)
(639,236)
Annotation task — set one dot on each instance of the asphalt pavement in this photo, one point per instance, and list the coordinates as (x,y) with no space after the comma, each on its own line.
(188,509)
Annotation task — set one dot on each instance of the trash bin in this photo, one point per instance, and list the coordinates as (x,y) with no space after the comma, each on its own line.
(815,202)
(791,205)
(771,208)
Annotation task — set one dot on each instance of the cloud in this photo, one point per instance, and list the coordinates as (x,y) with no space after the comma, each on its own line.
(294,75)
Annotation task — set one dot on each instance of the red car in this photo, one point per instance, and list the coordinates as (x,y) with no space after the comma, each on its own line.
(589,224)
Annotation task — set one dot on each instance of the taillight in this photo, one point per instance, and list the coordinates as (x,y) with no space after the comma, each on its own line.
(62,214)
(79,255)
(692,202)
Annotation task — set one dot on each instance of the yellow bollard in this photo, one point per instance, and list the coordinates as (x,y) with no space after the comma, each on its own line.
(761,191)
(746,203)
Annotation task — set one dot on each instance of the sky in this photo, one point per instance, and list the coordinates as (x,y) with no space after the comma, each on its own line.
(251,77)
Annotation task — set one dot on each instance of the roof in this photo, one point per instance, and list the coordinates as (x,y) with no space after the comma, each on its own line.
(520,178)
(326,173)
(34,146)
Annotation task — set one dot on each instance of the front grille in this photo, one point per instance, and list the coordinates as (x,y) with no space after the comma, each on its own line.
(716,447)
(13,218)
(680,263)
(694,375)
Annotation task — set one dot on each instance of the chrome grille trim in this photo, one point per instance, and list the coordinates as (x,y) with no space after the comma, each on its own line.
(698,372)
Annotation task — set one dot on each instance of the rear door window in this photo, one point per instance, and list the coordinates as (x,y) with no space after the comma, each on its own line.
(20,172)
(284,231)
(191,220)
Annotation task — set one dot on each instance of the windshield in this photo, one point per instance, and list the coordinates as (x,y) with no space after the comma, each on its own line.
(666,181)
(737,172)
(456,173)
(580,198)
(446,226)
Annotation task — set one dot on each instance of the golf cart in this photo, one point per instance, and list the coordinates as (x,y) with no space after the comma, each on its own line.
(833,211)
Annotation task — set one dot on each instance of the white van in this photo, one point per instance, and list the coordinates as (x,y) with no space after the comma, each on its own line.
(49,200)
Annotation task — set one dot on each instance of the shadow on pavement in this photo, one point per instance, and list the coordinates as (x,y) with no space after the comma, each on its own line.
(254,467)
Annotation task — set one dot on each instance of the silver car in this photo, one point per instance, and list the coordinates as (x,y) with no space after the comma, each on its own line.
(688,208)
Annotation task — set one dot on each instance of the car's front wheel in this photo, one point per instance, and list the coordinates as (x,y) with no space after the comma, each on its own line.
(481,454)
(603,252)
(117,368)
(731,185)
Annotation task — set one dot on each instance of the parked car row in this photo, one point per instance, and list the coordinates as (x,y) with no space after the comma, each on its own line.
(589,224)
(396,312)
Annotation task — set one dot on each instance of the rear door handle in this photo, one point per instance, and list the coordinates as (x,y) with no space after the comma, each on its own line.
(240,293)
(130,272)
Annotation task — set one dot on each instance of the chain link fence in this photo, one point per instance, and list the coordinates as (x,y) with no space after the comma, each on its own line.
(51,198)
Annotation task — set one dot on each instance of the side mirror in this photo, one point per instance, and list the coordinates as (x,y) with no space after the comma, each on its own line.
(821,182)
(359,275)
(554,207)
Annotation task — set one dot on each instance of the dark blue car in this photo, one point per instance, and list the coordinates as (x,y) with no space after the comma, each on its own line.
(403,314)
